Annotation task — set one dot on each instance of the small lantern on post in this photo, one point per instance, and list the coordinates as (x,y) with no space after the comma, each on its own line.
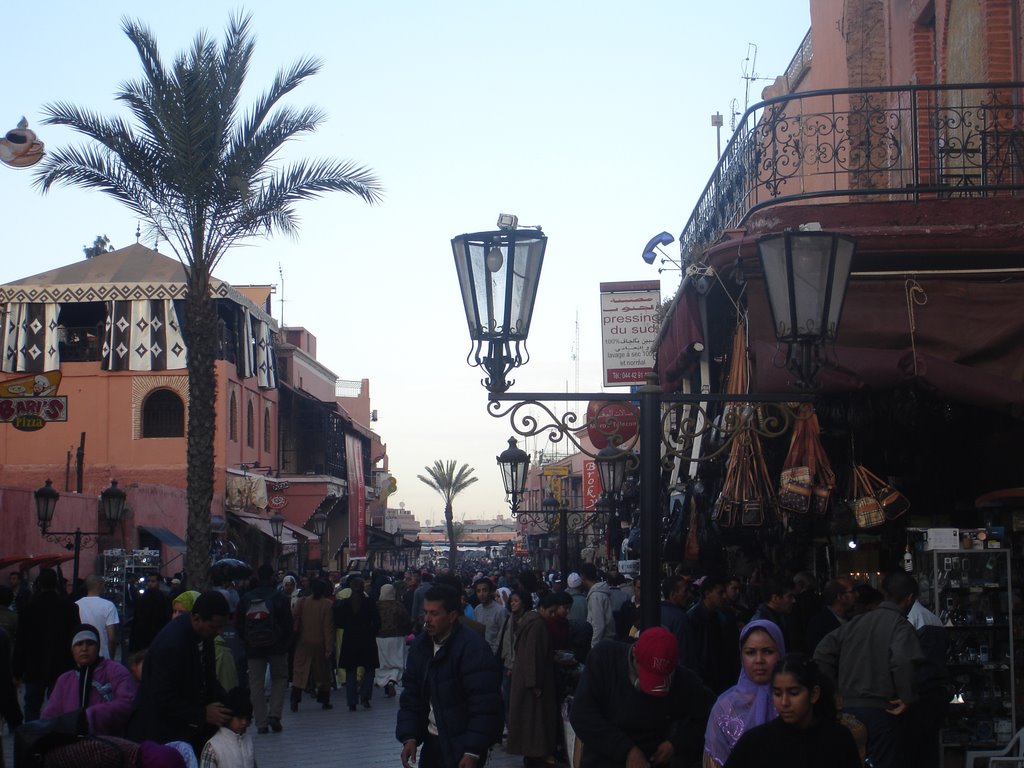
(514,463)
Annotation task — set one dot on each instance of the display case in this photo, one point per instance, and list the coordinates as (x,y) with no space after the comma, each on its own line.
(970,593)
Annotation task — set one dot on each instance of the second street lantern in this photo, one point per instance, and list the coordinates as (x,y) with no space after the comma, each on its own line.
(498,275)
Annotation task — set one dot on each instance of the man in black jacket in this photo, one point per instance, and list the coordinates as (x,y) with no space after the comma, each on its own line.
(179,697)
(42,648)
(451,691)
(264,625)
(635,706)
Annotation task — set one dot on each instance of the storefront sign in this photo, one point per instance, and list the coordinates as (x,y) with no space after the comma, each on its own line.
(614,423)
(629,327)
(591,485)
(29,403)
(31,413)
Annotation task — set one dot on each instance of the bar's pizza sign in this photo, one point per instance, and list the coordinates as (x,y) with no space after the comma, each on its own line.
(29,403)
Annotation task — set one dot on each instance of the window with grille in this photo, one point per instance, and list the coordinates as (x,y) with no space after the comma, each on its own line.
(163,415)
(266,429)
(250,427)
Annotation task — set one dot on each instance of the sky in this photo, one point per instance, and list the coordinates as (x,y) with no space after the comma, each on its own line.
(591,119)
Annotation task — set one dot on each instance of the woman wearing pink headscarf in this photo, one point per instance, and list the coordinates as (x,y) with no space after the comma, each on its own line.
(748,703)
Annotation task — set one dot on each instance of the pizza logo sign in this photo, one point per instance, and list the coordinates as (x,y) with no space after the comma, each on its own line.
(29,403)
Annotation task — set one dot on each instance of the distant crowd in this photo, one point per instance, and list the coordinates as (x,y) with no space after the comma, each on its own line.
(735,673)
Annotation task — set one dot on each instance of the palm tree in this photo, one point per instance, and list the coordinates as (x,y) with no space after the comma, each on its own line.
(449,482)
(202,175)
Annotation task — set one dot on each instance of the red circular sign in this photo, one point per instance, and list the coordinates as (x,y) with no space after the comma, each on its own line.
(606,420)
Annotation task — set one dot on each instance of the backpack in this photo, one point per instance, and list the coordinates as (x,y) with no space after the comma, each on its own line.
(261,630)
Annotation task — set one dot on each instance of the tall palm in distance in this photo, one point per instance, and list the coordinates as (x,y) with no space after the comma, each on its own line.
(203,176)
(449,482)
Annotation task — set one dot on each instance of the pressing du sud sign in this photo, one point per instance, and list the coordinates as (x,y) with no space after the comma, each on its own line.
(629,327)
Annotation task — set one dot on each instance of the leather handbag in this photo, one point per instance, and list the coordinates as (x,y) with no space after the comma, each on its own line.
(747,497)
(807,479)
(867,510)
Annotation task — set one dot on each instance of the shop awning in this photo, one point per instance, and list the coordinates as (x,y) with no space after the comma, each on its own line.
(262,524)
(681,338)
(957,335)
(165,536)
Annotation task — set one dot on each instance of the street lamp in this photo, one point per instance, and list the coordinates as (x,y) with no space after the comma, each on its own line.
(806,273)
(514,463)
(112,505)
(319,523)
(498,274)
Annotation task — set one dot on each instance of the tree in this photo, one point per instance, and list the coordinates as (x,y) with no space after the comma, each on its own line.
(449,482)
(100,245)
(203,176)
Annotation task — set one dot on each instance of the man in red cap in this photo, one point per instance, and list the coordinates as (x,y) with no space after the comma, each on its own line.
(635,706)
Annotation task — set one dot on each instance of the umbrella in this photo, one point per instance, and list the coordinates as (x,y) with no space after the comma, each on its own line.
(231,568)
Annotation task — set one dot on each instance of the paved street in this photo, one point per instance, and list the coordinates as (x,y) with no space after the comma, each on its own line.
(313,738)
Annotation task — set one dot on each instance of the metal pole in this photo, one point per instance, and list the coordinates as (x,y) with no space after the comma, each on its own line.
(650,503)
(563,544)
(74,568)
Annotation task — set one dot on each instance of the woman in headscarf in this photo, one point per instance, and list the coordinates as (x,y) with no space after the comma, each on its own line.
(227,669)
(748,703)
(395,624)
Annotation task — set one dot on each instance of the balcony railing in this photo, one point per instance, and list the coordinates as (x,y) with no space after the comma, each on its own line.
(871,144)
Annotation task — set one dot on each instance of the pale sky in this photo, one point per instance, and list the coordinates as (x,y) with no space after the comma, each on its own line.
(592,119)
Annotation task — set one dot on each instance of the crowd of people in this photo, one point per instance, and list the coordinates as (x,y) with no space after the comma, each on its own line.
(778,673)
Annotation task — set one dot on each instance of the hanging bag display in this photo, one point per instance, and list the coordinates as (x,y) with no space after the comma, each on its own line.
(866,508)
(807,479)
(747,494)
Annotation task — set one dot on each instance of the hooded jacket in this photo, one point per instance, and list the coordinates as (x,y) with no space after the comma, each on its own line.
(599,613)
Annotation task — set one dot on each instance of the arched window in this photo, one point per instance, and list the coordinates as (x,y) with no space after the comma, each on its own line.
(233,418)
(163,415)
(250,427)
(266,429)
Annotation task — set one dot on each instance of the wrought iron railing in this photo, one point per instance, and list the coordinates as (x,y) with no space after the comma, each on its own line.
(874,144)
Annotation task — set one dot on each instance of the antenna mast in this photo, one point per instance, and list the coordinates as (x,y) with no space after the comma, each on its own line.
(280,272)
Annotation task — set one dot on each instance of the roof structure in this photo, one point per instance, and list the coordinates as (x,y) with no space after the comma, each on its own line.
(127,274)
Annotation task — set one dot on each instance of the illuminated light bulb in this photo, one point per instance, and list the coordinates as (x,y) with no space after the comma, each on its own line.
(852,543)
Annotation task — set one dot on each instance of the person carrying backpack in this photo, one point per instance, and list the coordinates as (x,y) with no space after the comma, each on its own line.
(265,625)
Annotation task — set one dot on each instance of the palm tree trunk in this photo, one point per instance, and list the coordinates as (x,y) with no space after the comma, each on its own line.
(453,547)
(201,338)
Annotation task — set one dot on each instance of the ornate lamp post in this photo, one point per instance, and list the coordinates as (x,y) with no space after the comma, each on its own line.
(514,463)
(498,274)
(112,505)
(806,274)
(277,528)
(498,278)
(319,522)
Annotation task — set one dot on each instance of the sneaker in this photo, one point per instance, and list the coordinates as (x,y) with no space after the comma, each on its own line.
(389,689)
(366,703)
(263,729)
(275,725)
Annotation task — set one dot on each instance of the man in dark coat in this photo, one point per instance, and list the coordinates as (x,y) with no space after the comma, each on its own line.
(451,691)
(710,648)
(266,646)
(673,609)
(179,697)
(359,620)
(152,612)
(839,597)
(634,705)
(42,648)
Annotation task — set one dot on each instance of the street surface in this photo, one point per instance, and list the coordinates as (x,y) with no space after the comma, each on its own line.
(313,738)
